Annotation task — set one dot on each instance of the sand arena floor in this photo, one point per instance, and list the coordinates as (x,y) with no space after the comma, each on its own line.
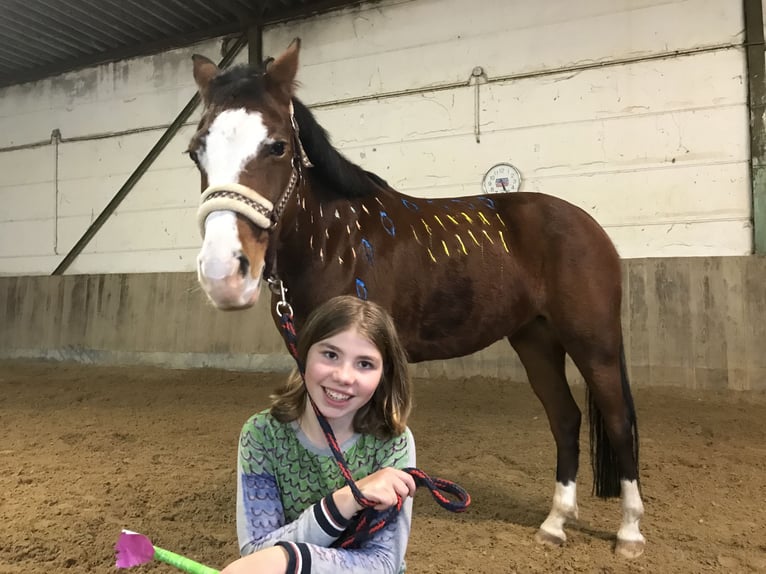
(86,451)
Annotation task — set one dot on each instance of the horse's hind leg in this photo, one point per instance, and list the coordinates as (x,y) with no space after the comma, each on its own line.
(543,358)
(614,438)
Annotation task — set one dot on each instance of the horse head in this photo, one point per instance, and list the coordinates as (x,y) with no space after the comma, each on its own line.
(250,160)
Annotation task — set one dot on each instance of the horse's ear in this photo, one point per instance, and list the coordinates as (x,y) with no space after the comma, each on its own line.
(280,73)
(204,71)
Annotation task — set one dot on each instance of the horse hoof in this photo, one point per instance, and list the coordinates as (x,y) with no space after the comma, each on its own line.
(629,549)
(548,539)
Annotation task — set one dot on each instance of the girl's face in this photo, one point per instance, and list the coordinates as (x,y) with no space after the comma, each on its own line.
(342,373)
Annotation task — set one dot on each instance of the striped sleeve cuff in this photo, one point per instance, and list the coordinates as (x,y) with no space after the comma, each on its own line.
(329,517)
(298,557)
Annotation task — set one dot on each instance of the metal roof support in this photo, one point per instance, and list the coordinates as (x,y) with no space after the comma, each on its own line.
(143,166)
(255,44)
(756,82)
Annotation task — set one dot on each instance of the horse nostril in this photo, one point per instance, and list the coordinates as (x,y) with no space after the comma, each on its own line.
(244,265)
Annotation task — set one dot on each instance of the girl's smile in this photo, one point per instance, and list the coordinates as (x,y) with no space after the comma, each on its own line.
(342,374)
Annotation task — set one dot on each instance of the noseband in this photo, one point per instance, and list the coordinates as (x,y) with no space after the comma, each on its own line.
(248,202)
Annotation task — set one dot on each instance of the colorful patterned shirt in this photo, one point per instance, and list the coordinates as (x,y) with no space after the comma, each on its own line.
(284,496)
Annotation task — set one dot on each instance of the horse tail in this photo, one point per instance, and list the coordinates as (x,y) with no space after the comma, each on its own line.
(606,470)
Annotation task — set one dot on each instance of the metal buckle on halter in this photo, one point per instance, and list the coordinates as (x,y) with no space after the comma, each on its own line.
(277,287)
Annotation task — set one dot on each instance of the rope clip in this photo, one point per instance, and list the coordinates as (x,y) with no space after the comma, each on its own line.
(278,288)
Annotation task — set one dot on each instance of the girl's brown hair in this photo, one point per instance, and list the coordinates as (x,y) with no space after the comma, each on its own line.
(385,415)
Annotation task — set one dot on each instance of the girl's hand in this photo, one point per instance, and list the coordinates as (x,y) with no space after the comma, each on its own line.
(383,486)
(271,560)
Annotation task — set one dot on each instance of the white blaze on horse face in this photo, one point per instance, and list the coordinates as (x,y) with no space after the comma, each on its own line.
(218,264)
(234,137)
(221,241)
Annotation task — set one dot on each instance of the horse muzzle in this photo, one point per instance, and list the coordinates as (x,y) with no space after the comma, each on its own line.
(233,288)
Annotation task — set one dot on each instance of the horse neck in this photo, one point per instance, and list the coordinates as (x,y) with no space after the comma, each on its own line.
(320,226)
(315,207)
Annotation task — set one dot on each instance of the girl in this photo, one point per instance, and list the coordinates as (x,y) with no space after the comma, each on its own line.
(292,502)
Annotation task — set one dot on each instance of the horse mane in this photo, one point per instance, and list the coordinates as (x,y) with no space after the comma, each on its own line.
(337,173)
(238,83)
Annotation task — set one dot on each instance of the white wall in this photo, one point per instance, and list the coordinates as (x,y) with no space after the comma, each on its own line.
(580,99)
(153,229)
(656,149)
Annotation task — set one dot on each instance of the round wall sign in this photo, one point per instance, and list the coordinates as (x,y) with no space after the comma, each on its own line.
(501,177)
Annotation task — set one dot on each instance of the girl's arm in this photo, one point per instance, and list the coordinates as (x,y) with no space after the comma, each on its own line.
(260,516)
(261,522)
(383,553)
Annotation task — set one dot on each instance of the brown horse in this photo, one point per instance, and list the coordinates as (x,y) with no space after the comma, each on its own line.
(457,274)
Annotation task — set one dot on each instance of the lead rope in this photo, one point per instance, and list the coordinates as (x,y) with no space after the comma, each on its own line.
(368,521)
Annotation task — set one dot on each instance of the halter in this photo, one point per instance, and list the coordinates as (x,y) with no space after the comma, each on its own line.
(247,201)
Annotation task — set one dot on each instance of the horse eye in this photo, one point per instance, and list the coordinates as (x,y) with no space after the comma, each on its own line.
(277,148)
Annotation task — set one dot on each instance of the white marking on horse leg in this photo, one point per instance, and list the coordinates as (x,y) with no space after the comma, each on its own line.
(564,507)
(632,511)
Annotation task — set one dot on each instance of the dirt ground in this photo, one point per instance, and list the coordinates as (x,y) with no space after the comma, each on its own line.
(86,451)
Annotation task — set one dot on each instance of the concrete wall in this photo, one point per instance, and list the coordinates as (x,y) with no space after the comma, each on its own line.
(633,109)
(690,322)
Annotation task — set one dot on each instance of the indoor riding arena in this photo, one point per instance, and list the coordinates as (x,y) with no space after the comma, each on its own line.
(124,383)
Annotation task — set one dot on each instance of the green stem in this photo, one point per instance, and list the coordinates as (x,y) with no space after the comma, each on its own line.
(181,562)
